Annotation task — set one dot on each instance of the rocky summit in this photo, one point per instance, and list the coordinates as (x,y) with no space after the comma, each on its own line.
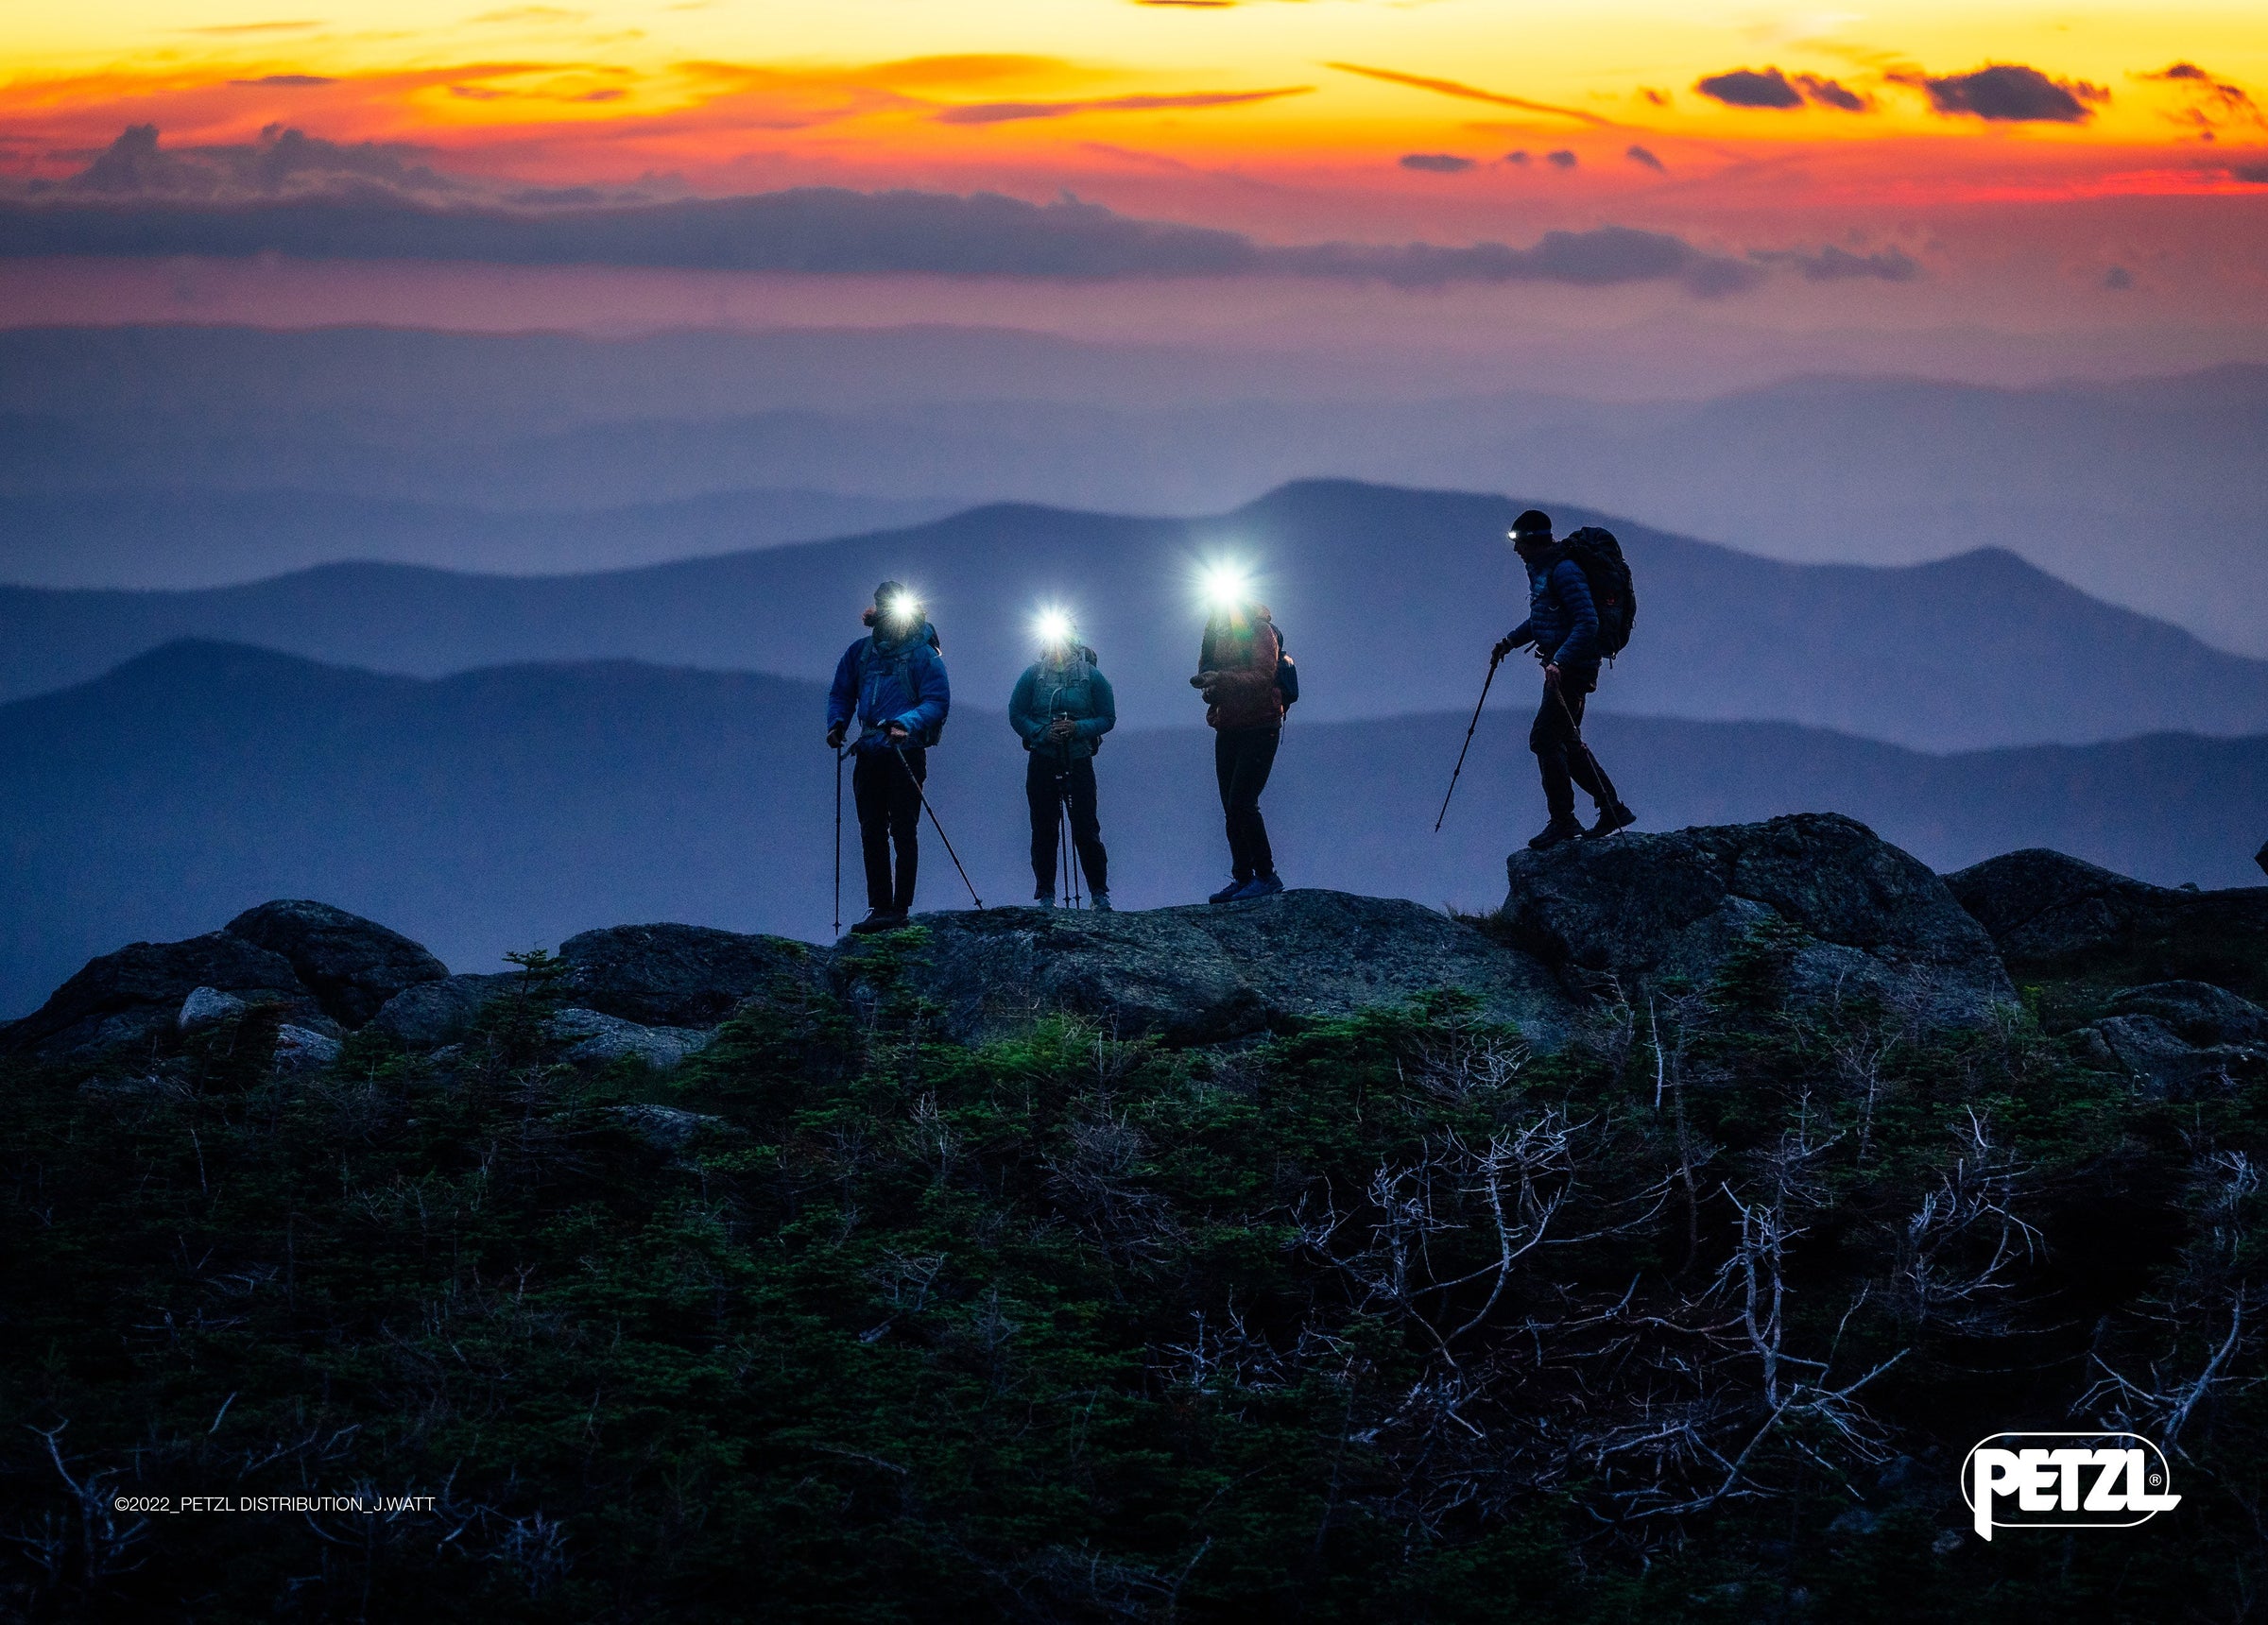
(1854,912)
(1206,974)
(1833,909)
(350,966)
(2054,915)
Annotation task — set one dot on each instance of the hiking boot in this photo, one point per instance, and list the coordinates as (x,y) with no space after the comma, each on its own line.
(878,920)
(1100,903)
(1612,816)
(1265,885)
(1043,900)
(1559,832)
(1227,891)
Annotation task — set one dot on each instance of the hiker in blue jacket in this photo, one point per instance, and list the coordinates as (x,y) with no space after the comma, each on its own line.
(893,681)
(1563,628)
(1061,708)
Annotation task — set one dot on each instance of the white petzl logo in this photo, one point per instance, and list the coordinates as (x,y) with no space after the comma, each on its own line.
(2065,1481)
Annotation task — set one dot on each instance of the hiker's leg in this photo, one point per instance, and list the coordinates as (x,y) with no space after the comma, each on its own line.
(1047,811)
(1550,737)
(1255,759)
(1223,769)
(906,825)
(872,775)
(1581,766)
(1087,828)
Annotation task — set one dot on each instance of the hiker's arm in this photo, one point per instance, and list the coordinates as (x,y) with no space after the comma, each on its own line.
(1106,709)
(842,700)
(1023,716)
(1519,638)
(933,697)
(1581,645)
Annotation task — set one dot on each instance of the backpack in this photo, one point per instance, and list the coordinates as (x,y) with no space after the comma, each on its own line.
(901,663)
(1596,552)
(1287,674)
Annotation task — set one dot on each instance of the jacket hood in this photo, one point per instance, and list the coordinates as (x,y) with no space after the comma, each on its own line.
(914,636)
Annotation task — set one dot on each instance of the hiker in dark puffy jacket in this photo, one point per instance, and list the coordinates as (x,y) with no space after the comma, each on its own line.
(892,681)
(1236,671)
(1061,709)
(1563,628)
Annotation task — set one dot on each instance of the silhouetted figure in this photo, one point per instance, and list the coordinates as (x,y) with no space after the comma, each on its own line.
(1237,670)
(893,682)
(1061,709)
(1563,627)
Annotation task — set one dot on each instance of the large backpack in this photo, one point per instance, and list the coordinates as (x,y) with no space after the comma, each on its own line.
(1600,558)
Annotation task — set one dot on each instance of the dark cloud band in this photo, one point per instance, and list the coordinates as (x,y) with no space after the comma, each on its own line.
(2009,93)
(1833,264)
(827,231)
(1436,163)
(1770,89)
(305,198)
(1745,87)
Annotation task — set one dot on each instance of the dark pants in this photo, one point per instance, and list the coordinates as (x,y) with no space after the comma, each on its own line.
(1241,759)
(1046,784)
(1560,753)
(889,813)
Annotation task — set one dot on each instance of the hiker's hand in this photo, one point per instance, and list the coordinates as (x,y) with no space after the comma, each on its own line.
(835,739)
(1551,676)
(898,734)
(1504,647)
(1062,729)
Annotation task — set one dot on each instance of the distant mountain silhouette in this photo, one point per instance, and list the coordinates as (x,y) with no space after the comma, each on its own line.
(2143,493)
(499,809)
(199,538)
(1390,599)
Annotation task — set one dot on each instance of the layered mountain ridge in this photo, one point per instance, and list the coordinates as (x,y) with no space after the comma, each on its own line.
(1389,598)
(497,809)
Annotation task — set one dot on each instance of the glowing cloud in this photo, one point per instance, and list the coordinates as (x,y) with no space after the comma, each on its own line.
(1008,112)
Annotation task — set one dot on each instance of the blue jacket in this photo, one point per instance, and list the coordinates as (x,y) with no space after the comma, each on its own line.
(1073,688)
(1562,622)
(883,681)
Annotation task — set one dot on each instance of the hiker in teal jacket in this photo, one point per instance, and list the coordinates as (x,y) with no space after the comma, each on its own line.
(1061,709)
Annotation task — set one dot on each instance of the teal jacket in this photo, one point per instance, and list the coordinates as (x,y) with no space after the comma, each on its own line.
(1075,689)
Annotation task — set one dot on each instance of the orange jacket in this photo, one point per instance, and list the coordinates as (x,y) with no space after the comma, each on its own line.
(1243,652)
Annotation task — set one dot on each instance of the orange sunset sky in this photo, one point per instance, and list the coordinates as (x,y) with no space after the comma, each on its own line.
(1910,163)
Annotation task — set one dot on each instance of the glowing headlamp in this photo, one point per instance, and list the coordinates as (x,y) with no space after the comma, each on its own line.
(904,610)
(1052,627)
(1227,586)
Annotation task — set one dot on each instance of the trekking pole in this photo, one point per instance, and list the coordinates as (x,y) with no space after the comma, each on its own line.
(1062,847)
(1468,745)
(839,754)
(1070,847)
(899,751)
